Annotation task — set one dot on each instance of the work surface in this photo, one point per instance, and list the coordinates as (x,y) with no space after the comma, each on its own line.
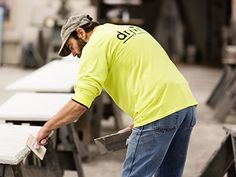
(13,142)
(33,106)
(56,76)
(206,137)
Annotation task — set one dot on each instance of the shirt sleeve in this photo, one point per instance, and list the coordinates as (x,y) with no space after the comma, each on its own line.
(92,75)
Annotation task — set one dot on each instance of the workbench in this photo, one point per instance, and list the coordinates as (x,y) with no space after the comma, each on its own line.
(60,76)
(13,151)
(56,76)
(36,109)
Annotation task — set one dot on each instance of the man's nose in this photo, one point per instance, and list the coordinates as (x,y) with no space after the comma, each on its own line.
(74,53)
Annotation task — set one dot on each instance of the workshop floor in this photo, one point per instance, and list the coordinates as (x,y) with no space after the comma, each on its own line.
(206,137)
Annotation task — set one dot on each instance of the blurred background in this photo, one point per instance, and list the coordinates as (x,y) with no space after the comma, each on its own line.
(198,35)
(197,32)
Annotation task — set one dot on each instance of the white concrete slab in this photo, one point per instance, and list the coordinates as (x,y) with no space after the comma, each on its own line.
(56,76)
(33,106)
(13,139)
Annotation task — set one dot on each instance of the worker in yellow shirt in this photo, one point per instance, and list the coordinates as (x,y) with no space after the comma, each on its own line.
(137,73)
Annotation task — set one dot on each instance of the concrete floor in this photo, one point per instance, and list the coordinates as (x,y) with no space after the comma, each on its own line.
(206,137)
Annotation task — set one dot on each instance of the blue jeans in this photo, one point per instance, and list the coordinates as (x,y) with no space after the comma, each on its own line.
(160,148)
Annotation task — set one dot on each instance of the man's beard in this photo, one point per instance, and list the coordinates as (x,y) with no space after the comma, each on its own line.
(81,43)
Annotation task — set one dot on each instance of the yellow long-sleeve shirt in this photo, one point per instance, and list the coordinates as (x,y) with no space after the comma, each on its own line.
(135,71)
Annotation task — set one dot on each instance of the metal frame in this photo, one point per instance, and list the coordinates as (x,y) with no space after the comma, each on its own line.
(223,161)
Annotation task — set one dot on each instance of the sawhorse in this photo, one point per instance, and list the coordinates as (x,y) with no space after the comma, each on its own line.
(222,85)
(223,160)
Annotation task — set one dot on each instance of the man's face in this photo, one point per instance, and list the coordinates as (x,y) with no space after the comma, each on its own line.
(76,46)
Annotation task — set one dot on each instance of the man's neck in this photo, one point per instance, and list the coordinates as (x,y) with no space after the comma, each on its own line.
(90,33)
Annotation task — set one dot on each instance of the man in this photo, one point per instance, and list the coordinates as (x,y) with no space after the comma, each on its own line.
(136,72)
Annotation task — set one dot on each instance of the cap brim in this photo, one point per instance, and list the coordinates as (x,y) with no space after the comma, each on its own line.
(64,51)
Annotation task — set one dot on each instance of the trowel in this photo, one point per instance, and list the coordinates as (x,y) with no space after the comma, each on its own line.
(112,142)
(39,152)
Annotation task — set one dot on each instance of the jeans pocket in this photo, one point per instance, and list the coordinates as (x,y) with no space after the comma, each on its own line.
(166,124)
(133,138)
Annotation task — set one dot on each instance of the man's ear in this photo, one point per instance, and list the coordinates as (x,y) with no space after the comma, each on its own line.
(81,33)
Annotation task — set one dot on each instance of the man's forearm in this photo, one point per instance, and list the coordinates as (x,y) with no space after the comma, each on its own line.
(69,113)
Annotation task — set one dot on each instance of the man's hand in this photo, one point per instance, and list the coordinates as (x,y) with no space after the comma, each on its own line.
(42,137)
(67,114)
(129,128)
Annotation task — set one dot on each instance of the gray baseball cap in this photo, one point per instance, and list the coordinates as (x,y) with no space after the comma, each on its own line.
(68,27)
